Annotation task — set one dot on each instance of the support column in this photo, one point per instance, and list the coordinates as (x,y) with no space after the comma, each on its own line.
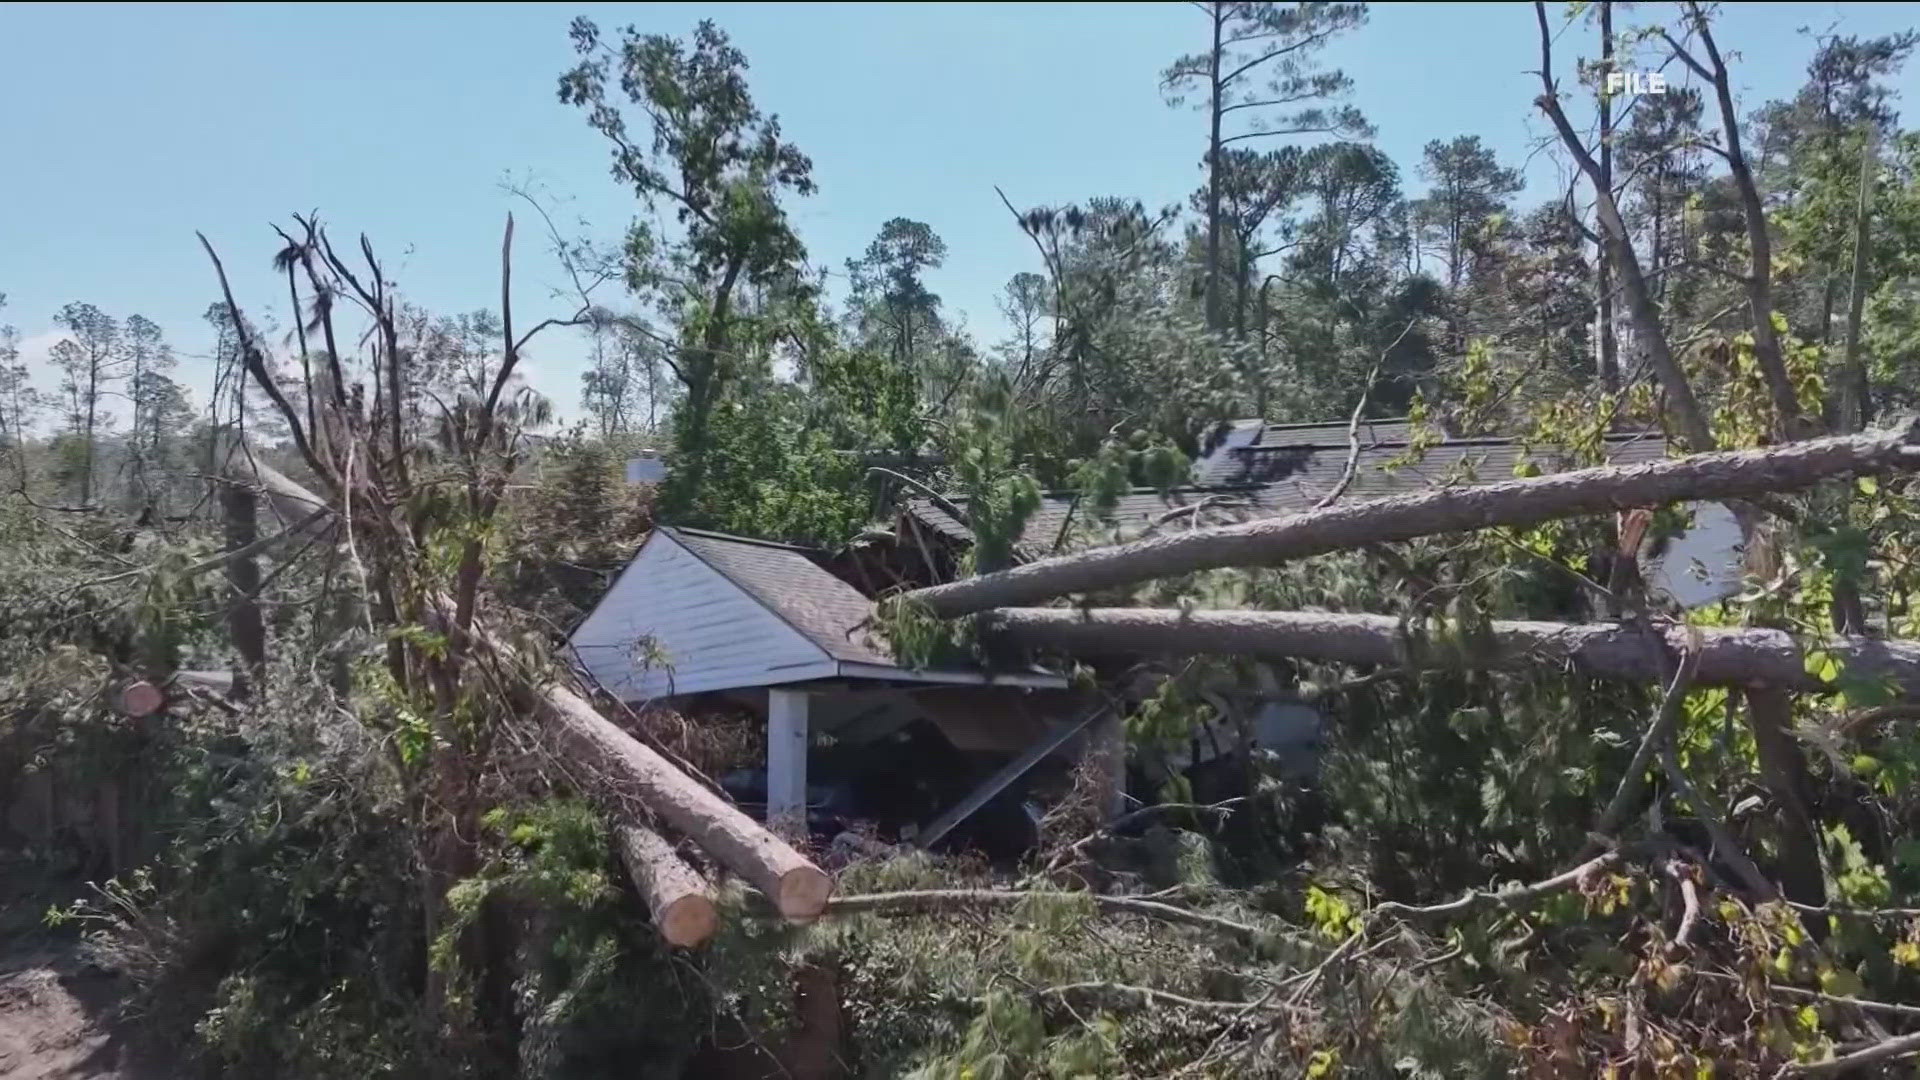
(787,742)
(1107,749)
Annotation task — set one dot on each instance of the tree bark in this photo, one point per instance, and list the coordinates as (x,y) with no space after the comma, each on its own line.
(620,767)
(1456,509)
(1759,279)
(1607,362)
(1855,408)
(1601,650)
(1218,11)
(1783,769)
(676,894)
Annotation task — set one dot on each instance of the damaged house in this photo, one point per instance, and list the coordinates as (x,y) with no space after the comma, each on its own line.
(702,621)
(1254,469)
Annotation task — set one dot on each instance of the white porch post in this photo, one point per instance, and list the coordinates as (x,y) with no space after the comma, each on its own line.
(787,742)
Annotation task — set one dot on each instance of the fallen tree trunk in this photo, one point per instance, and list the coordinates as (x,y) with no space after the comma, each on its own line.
(616,767)
(1453,509)
(676,894)
(621,767)
(1603,650)
(303,514)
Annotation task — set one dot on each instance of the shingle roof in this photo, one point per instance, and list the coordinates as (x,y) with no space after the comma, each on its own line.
(1334,433)
(829,612)
(1288,468)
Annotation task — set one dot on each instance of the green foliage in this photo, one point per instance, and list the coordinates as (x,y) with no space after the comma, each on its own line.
(921,639)
(1000,495)
(723,167)
(280,926)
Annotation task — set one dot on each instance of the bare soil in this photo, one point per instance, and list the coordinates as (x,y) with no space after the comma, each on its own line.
(61,1017)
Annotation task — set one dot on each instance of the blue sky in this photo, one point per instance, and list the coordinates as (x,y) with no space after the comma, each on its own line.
(125,128)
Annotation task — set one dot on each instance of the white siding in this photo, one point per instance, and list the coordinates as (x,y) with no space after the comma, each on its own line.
(1704,564)
(649,469)
(711,634)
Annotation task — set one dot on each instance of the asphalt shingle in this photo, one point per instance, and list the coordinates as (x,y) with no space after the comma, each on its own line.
(1288,468)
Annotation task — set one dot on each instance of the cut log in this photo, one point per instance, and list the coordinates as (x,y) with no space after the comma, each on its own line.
(676,894)
(141,698)
(1602,650)
(1454,509)
(618,768)
(621,767)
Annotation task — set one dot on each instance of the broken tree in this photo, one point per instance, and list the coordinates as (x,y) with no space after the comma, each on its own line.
(374,467)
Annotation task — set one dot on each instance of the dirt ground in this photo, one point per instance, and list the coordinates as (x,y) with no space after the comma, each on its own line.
(57,1023)
(60,1016)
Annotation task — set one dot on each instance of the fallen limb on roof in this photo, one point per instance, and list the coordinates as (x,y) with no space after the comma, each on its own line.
(1452,509)
(1605,650)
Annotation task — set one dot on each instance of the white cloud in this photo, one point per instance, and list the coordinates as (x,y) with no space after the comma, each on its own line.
(35,350)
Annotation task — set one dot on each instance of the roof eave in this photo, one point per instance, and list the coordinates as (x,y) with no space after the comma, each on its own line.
(1033,680)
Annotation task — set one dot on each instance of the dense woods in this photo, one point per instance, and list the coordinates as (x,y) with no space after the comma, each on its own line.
(297,647)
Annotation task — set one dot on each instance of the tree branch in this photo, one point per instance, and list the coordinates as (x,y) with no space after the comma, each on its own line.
(1657,732)
(1505,898)
(256,365)
(935,901)
(1887,1050)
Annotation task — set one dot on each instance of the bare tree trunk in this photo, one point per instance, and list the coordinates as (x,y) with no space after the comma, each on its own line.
(1601,650)
(1718,476)
(1759,278)
(244,622)
(1218,11)
(1783,769)
(1608,358)
(86,437)
(1856,408)
(1648,334)
(1849,611)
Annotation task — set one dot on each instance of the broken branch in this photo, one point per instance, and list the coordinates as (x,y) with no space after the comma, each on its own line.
(936,901)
